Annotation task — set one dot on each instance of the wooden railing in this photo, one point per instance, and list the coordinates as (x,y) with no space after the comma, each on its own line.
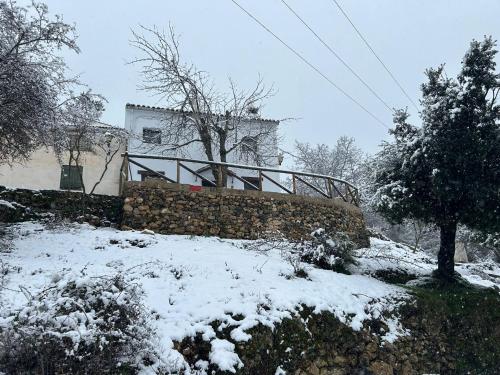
(333,188)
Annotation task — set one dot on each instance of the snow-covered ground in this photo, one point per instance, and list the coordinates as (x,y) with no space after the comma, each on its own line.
(190,282)
(388,255)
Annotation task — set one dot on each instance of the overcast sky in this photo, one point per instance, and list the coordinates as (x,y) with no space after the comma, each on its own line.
(216,36)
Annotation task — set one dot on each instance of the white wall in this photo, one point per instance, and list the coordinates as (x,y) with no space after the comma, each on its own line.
(43,171)
(137,118)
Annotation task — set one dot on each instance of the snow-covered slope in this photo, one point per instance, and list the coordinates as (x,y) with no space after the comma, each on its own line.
(388,255)
(190,282)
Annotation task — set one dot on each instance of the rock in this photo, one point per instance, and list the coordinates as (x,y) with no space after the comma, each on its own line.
(371,347)
(406,369)
(313,369)
(460,253)
(340,360)
(381,368)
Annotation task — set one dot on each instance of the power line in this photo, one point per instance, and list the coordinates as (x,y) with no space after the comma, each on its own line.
(375,54)
(311,65)
(338,57)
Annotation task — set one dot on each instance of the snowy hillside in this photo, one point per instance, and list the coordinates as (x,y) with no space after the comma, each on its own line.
(190,282)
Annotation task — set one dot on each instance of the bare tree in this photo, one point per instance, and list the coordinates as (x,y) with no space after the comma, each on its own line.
(80,135)
(419,230)
(222,123)
(108,144)
(342,160)
(33,82)
(345,160)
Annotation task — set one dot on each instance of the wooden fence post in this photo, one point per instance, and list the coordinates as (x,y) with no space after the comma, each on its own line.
(219,172)
(123,174)
(178,172)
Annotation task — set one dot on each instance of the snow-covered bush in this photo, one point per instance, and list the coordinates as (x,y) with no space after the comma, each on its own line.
(77,325)
(294,259)
(328,251)
(331,251)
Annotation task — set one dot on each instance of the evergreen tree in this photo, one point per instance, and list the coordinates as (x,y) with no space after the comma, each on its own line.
(447,172)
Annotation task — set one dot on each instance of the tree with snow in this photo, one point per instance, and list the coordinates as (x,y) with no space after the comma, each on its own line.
(447,172)
(344,160)
(33,83)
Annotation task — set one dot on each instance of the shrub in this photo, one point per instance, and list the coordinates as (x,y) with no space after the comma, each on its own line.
(294,259)
(328,251)
(79,325)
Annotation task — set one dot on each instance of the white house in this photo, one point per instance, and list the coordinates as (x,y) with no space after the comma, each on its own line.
(146,127)
(44,171)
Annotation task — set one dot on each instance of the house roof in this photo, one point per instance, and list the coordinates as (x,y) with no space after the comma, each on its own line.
(104,126)
(99,124)
(162,109)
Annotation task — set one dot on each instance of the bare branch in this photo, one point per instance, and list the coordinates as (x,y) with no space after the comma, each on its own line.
(218,121)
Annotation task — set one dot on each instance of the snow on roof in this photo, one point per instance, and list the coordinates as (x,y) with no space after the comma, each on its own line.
(104,127)
(162,109)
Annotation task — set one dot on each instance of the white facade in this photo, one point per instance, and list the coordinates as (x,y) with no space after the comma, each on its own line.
(141,123)
(43,170)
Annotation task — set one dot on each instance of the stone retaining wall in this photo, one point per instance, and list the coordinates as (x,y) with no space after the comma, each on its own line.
(96,209)
(174,209)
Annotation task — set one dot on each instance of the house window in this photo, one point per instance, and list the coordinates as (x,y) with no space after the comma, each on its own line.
(71,177)
(150,135)
(249,144)
(252,180)
(146,175)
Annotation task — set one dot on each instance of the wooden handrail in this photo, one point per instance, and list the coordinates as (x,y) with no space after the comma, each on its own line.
(338,191)
(238,166)
(317,190)
(234,175)
(351,194)
(197,175)
(159,175)
(276,183)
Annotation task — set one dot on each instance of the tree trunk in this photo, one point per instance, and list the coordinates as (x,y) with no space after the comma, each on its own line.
(222,181)
(446,262)
(206,141)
